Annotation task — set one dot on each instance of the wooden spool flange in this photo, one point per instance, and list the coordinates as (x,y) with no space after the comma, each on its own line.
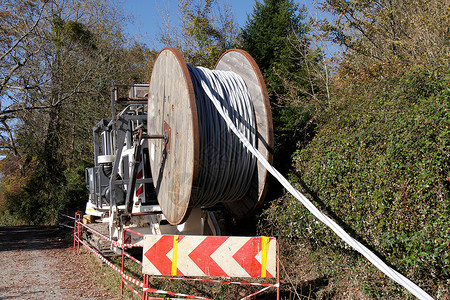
(172,110)
(244,65)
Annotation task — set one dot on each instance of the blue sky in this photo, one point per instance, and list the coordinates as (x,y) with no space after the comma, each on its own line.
(148,18)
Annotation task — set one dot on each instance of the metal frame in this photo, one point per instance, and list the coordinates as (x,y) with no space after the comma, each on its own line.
(110,137)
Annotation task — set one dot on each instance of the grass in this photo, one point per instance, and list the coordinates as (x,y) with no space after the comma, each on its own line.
(323,273)
(109,278)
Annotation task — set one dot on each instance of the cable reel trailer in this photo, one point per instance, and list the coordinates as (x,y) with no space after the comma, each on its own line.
(167,160)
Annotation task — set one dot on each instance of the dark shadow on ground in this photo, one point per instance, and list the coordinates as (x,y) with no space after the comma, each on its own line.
(306,290)
(32,238)
(311,289)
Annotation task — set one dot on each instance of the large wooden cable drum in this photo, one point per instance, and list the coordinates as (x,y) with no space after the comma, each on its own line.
(173,109)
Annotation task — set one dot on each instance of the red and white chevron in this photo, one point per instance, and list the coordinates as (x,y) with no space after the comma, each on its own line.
(223,256)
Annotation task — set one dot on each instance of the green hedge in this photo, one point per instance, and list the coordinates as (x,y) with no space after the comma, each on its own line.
(379,165)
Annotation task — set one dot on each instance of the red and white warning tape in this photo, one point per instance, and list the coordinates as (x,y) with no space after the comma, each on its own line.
(130,279)
(155,291)
(131,245)
(255,293)
(145,287)
(133,259)
(125,245)
(132,231)
(133,290)
(69,217)
(220,281)
(136,282)
(115,243)
(266,285)
(65,225)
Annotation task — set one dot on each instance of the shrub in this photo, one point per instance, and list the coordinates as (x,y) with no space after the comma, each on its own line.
(379,165)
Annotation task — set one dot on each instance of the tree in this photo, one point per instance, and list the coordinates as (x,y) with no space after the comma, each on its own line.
(276,35)
(207,29)
(380,29)
(70,58)
(378,163)
(270,35)
(19,25)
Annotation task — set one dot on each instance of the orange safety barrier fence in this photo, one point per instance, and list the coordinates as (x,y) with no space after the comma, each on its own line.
(127,280)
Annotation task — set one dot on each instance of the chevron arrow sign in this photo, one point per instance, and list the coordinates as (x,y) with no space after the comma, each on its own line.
(223,256)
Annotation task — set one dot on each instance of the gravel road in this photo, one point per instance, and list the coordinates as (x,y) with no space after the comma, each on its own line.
(36,263)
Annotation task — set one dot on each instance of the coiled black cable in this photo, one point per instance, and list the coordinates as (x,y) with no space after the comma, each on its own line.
(226,167)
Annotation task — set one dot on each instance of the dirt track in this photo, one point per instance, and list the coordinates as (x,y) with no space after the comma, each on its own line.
(36,263)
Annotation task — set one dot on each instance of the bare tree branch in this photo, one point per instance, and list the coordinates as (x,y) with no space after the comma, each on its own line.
(11,138)
(26,33)
(11,72)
